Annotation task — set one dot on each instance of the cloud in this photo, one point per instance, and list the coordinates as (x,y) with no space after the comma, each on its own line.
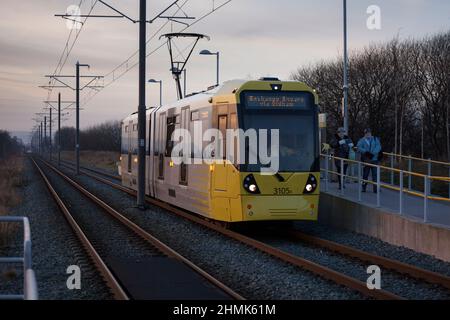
(255,37)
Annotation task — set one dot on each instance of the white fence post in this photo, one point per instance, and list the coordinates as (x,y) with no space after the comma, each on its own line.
(342,176)
(327,159)
(401,193)
(409,175)
(392,167)
(425,199)
(359,182)
(378,186)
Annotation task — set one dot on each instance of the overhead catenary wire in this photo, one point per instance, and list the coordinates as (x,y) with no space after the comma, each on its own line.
(127,61)
(68,49)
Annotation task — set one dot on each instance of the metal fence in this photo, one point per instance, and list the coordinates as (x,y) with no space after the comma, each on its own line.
(328,170)
(428,163)
(29,278)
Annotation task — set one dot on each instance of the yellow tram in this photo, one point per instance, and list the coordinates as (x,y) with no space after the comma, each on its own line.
(202,178)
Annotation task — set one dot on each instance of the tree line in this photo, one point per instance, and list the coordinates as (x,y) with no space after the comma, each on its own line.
(400,89)
(102,137)
(9,145)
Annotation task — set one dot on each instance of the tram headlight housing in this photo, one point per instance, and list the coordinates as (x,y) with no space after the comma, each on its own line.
(311,184)
(250,184)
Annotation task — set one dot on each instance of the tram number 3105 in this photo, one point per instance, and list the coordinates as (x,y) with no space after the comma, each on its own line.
(282,191)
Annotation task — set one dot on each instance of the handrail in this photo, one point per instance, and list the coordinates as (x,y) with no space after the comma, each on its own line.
(416,158)
(30,284)
(426,195)
(412,173)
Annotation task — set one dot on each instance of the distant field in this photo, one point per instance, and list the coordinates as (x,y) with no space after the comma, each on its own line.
(100,159)
(11,179)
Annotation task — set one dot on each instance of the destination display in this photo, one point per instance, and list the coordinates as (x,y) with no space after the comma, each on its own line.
(277,100)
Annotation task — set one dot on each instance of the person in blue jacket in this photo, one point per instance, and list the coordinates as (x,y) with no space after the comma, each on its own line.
(370,148)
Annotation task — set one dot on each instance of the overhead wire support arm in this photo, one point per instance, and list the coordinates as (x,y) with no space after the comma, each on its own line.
(68,16)
(117,11)
(92,80)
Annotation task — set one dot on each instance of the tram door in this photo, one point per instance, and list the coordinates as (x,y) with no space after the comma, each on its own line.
(185,120)
(130,145)
(220,174)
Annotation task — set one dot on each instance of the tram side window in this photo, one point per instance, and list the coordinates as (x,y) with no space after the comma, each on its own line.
(124,140)
(171,122)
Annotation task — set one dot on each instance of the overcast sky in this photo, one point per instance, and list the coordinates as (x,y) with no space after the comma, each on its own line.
(255,38)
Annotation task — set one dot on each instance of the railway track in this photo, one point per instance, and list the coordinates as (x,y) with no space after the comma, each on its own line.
(305,264)
(124,276)
(71,165)
(390,264)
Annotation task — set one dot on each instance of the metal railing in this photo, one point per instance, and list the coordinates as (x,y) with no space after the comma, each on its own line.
(426,195)
(29,278)
(429,163)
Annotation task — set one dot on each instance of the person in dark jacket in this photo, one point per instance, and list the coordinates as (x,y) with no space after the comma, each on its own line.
(342,145)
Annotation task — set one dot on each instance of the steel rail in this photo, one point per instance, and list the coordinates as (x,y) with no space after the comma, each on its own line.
(400,267)
(106,174)
(117,290)
(147,236)
(305,264)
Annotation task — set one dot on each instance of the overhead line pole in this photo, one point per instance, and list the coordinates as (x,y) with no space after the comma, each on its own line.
(345,70)
(77,96)
(142,107)
(50,133)
(77,90)
(45,133)
(59,128)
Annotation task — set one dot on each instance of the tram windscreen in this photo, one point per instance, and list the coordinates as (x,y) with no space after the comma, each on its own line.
(294,116)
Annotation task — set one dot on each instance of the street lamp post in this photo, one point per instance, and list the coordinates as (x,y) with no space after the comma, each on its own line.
(217,54)
(160,89)
(345,69)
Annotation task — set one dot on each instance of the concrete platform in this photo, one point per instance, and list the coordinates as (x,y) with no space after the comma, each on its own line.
(413,206)
(383,223)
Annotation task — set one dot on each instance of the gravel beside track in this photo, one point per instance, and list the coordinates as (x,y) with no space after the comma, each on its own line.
(375,246)
(54,247)
(404,286)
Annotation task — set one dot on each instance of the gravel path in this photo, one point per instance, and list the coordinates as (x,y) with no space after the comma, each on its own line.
(251,273)
(54,247)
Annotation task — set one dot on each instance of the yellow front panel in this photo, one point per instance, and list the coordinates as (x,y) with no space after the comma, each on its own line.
(279,200)
(300,207)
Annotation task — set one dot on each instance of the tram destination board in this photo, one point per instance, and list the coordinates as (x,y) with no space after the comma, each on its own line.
(277,100)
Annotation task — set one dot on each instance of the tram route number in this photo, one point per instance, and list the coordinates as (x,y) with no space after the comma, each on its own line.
(282,191)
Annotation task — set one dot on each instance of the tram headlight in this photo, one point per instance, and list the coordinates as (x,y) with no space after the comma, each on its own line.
(250,184)
(311,184)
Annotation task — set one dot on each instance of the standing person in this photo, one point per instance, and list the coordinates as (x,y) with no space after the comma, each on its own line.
(342,145)
(369,147)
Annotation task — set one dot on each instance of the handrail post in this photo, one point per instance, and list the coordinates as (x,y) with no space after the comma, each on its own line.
(359,182)
(429,174)
(342,176)
(29,278)
(425,199)
(327,159)
(378,186)
(409,174)
(392,167)
(401,193)
(448,182)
